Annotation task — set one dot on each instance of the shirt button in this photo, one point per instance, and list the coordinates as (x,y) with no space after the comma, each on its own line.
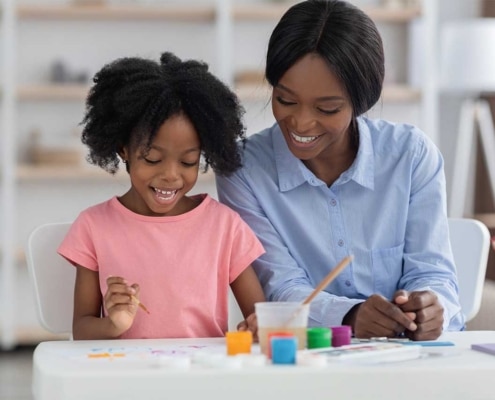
(340,242)
(348,283)
(333,202)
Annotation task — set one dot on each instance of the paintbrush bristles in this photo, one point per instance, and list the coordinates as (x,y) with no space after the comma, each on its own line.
(329,278)
(141,305)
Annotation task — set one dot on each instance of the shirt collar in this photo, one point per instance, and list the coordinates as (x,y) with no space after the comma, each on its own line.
(293,173)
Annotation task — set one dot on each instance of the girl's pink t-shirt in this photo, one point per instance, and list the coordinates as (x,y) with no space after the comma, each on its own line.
(183,264)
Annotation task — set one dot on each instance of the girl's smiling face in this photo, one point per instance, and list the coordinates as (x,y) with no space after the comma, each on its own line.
(162,176)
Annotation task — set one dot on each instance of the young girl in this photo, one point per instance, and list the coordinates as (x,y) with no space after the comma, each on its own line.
(155,246)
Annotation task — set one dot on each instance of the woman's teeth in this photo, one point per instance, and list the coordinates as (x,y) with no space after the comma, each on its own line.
(303,139)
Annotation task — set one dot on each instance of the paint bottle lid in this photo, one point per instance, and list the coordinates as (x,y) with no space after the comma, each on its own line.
(271,335)
(319,337)
(239,342)
(283,350)
(341,335)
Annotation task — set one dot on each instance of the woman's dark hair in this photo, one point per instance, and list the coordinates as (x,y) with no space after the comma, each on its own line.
(132,97)
(340,33)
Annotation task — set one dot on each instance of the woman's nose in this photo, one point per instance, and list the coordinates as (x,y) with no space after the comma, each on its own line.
(304,120)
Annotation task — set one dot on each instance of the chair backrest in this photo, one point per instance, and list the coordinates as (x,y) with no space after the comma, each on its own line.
(52,277)
(53,280)
(470,240)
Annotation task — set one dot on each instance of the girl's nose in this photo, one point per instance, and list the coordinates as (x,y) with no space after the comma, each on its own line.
(169,172)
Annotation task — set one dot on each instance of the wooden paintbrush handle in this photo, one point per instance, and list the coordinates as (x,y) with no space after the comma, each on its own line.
(329,278)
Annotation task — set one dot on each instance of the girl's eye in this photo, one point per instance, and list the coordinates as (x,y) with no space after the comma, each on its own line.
(329,112)
(151,161)
(285,102)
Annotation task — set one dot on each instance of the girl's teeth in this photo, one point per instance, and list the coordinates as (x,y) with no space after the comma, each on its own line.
(166,194)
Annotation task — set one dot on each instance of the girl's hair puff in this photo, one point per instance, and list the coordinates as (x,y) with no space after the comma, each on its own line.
(132,97)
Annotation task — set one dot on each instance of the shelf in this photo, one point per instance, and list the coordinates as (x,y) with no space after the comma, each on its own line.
(275,11)
(245,91)
(400,93)
(384,14)
(197,12)
(30,173)
(53,92)
(118,12)
(391,93)
(19,256)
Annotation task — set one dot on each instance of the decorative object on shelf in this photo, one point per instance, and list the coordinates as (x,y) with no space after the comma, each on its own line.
(60,73)
(467,65)
(62,154)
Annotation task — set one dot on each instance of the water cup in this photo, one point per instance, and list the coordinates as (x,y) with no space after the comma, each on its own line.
(281,316)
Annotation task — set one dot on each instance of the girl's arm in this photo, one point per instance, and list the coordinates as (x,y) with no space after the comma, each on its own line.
(87,323)
(247,291)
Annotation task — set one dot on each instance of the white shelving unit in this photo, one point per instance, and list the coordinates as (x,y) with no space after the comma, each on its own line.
(34,34)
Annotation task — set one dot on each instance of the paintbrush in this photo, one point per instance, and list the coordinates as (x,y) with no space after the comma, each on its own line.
(328,279)
(138,302)
(322,285)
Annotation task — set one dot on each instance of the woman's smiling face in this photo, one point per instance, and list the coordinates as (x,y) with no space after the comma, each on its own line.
(312,109)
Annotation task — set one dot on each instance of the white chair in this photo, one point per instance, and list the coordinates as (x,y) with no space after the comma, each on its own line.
(53,280)
(52,277)
(470,240)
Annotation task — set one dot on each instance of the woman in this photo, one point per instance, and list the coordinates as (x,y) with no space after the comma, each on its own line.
(325,182)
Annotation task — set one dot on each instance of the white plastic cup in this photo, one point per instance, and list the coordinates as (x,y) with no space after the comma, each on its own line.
(281,316)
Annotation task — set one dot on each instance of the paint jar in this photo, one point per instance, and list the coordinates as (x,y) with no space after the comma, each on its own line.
(319,337)
(341,335)
(239,342)
(283,349)
(272,335)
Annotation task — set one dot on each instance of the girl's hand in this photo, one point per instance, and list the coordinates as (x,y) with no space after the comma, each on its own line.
(118,302)
(250,324)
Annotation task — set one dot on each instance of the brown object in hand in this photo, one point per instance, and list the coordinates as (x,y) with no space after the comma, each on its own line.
(141,305)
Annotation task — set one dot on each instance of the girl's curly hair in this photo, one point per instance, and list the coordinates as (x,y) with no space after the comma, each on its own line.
(132,97)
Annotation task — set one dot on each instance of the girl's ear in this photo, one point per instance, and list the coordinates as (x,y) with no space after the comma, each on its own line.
(124,154)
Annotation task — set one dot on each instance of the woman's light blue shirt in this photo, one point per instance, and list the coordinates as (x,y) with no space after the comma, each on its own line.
(388,210)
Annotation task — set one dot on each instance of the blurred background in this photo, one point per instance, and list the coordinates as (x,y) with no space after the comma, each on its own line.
(50,49)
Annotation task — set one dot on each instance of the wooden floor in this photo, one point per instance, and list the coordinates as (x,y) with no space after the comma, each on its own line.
(15,374)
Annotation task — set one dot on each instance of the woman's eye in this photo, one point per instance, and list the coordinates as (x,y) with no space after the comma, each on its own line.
(285,102)
(328,112)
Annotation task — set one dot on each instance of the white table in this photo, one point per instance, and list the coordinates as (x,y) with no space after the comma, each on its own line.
(64,370)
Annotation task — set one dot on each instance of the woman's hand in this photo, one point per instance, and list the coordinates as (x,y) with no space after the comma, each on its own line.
(378,317)
(427,310)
